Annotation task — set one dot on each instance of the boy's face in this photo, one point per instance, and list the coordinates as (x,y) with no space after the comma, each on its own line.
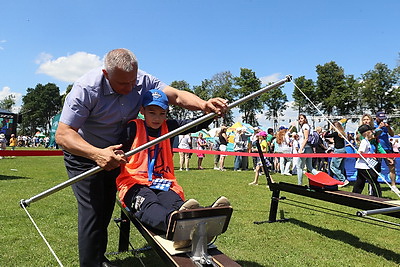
(369,134)
(154,116)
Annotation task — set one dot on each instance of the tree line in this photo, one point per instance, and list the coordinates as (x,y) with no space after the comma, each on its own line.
(334,92)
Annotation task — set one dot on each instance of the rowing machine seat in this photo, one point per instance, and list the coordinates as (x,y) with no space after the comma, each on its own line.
(323,181)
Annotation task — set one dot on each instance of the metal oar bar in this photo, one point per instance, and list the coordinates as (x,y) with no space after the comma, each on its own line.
(363,213)
(173,133)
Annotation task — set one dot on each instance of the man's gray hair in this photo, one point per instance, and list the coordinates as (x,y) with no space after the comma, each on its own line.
(120,58)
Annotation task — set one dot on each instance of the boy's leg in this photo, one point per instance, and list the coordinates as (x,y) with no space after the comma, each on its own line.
(373,181)
(149,208)
(360,182)
(169,199)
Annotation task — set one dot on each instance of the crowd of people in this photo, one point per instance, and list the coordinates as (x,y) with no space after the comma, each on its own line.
(300,137)
(23,141)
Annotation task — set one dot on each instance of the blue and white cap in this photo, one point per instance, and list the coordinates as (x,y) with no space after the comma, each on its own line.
(155,97)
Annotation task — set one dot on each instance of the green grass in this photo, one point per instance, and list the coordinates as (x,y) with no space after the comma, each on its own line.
(317,233)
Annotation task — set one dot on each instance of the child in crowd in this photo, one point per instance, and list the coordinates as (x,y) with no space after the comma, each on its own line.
(264,148)
(201,145)
(3,142)
(364,168)
(147,184)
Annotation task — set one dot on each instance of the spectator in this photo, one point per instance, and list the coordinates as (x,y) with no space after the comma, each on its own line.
(295,146)
(282,145)
(305,147)
(201,145)
(320,164)
(13,142)
(3,142)
(223,141)
(264,148)
(215,147)
(270,138)
(337,164)
(185,142)
(240,146)
(364,168)
(383,131)
(253,149)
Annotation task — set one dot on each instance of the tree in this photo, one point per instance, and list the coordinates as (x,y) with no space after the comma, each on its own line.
(204,92)
(39,106)
(69,87)
(223,86)
(352,103)
(378,90)
(177,112)
(8,102)
(332,91)
(275,101)
(302,104)
(248,83)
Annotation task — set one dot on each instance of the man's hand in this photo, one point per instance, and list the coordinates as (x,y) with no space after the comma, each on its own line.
(110,157)
(217,105)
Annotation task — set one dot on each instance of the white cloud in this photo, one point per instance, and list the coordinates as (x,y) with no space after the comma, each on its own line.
(2,42)
(68,68)
(43,58)
(271,78)
(6,91)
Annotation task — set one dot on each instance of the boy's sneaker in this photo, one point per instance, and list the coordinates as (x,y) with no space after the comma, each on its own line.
(182,244)
(221,202)
(346,182)
(190,204)
(187,205)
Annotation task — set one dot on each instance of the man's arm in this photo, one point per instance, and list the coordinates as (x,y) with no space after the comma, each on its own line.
(107,158)
(190,101)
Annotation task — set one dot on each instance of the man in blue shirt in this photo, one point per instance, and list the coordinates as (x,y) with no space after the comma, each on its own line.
(95,111)
(383,131)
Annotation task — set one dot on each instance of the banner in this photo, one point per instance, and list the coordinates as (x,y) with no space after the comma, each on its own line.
(54,125)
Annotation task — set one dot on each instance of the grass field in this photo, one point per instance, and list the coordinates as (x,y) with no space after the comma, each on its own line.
(317,233)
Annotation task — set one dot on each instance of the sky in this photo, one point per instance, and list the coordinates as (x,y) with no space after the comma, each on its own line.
(47,41)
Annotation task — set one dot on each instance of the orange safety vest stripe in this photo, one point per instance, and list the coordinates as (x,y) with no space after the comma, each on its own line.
(136,170)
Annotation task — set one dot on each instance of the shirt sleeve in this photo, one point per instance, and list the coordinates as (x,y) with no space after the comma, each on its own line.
(148,81)
(363,146)
(76,107)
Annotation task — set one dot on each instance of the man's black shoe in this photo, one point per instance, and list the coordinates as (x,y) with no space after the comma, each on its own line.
(108,264)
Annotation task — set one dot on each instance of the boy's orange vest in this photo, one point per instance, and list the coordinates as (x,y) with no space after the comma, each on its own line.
(136,171)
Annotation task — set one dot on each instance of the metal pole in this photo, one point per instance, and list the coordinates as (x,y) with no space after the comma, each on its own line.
(363,213)
(173,133)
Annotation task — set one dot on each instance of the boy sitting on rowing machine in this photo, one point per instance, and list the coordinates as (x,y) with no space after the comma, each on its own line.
(147,184)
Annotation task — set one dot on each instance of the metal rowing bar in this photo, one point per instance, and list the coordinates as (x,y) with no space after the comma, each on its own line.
(363,213)
(173,133)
